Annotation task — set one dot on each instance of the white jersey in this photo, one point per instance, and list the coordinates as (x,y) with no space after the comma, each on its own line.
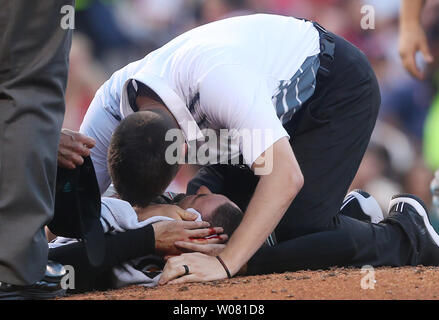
(249,72)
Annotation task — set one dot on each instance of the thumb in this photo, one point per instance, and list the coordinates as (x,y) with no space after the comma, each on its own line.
(187,215)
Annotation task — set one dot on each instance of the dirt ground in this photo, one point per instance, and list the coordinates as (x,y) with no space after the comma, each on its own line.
(341,283)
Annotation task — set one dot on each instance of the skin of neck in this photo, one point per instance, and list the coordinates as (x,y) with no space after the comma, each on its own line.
(145,103)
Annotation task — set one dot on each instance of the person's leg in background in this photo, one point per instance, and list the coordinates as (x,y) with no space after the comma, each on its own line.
(34,52)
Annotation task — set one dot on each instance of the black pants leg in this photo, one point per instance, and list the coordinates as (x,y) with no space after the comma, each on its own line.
(329,137)
(34,52)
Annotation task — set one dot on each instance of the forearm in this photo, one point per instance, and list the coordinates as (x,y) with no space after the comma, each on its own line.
(262,216)
(273,195)
(410,13)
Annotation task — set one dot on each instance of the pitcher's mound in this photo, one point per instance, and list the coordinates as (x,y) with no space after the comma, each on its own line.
(338,283)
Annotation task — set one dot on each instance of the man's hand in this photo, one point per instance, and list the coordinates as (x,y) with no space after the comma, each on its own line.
(412,37)
(411,41)
(166,233)
(73,146)
(164,210)
(201,268)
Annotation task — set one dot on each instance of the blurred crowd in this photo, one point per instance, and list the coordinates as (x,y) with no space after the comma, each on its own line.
(401,157)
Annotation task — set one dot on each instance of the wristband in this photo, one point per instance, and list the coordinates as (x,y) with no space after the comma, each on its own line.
(224,266)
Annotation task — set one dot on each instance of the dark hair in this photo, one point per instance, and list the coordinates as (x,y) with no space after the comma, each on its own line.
(226,216)
(136,156)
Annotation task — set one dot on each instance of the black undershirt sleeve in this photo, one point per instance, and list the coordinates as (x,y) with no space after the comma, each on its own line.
(119,248)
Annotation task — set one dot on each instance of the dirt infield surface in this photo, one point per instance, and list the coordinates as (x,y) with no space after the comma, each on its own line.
(341,283)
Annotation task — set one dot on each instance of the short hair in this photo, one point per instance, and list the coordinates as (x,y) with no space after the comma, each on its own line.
(136,156)
(227,216)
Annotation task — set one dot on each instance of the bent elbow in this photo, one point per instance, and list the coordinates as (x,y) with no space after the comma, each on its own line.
(295,183)
(298,181)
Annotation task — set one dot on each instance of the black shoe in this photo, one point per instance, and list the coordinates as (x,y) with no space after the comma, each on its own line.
(410,213)
(47,288)
(360,205)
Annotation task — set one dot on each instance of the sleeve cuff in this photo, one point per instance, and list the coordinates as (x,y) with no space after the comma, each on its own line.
(254,145)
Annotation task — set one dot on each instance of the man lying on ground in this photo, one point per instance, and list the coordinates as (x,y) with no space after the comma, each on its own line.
(303,253)
(318,251)
(145,270)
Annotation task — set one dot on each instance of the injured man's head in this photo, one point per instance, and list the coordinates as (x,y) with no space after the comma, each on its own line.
(216,209)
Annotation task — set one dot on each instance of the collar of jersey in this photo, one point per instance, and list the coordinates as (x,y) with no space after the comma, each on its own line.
(172,101)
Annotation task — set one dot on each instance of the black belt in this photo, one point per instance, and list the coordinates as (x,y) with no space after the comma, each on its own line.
(327,49)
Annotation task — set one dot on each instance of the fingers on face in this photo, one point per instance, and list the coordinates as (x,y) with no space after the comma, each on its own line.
(190,215)
(201,233)
(172,213)
(191,225)
(184,215)
(222,238)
